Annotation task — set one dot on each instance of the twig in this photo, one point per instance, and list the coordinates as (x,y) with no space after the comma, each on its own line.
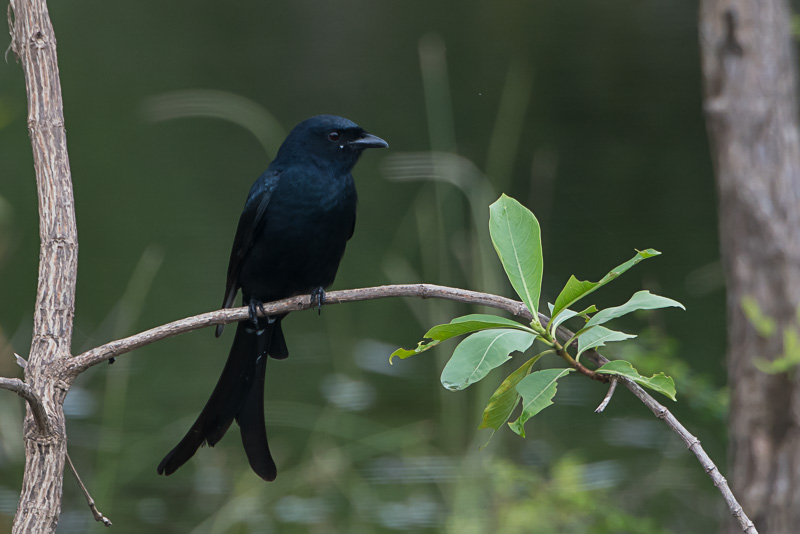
(692,443)
(95,512)
(611,388)
(80,363)
(26,392)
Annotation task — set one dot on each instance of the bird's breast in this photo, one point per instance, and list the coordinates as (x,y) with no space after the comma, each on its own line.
(302,239)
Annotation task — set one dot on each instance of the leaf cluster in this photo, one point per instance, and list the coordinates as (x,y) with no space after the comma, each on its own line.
(491,340)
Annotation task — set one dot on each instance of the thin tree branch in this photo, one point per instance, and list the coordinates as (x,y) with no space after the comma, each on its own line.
(692,443)
(26,392)
(102,353)
(80,363)
(99,517)
(611,389)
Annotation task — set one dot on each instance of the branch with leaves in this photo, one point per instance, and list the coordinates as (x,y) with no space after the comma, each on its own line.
(516,236)
(491,340)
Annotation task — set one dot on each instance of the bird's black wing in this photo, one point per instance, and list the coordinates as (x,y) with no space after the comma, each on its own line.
(249,223)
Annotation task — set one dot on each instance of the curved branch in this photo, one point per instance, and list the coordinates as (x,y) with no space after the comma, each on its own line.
(692,443)
(102,353)
(26,392)
(92,357)
(80,363)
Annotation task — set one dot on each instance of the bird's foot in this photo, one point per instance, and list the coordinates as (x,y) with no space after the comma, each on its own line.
(318,297)
(253,308)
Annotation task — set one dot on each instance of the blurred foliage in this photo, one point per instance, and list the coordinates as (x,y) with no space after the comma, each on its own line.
(589,113)
(526,500)
(766,326)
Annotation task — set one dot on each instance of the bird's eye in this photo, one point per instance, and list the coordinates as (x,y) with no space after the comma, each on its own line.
(333,136)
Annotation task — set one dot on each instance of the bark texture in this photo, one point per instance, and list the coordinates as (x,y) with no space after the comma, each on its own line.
(751,111)
(34,43)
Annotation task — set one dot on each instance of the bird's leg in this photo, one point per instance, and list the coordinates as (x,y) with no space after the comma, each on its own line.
(252,310)
(318,296)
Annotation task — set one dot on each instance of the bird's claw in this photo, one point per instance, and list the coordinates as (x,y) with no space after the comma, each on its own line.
(253,308)
(318,297)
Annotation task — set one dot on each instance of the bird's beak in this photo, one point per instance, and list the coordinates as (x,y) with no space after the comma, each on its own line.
(368,141)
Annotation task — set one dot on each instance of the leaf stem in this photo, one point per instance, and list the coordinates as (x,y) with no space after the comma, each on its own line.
(548,339)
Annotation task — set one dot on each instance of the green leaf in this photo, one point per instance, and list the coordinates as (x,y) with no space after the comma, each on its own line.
(585,313)
(598,336)
(491,321)
(517,239)
(641,300)
(568,314)
(457,327)
(660,382)
(506,398)
(556,321)
(576,289)
(480,353)
(537,390)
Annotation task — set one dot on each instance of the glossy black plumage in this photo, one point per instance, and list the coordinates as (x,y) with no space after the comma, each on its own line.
(290,239)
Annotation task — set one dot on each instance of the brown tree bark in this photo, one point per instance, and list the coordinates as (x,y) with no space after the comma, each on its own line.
(34,43)
(751,112)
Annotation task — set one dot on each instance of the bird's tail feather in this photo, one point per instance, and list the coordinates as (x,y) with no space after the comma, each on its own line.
(239,394)
(251,419)
(277,343)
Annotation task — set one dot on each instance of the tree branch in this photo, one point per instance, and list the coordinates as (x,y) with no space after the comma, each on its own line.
(80,363)
(611,389)
(33,41)
(98,516)
(692,443)
(26,392)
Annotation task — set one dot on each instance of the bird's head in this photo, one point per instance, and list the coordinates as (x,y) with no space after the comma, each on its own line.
(333,139)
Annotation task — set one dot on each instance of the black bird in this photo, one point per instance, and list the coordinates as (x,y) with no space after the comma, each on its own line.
(290,239)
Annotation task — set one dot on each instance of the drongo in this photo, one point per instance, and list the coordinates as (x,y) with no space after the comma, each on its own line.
(290,239)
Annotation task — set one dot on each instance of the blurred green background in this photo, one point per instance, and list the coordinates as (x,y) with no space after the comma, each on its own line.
(589,113)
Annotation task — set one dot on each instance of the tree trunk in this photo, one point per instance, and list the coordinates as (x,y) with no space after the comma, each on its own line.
(34,43)
(751,112)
